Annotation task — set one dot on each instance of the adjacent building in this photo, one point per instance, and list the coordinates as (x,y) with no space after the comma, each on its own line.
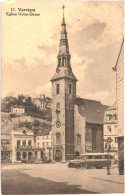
(6,147)
(23,146)
(44,140)
(119,69)
(88,123)
(110,128)
(17,110)
(42,102)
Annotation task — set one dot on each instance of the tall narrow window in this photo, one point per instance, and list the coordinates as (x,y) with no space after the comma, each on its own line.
(18,143)
(94,146)
(58,138)
(78,139)
(24,142)
(41,154)
(29,142)
(70,88)
(58,105)
(116,140)
(57,89)
(115,117)
(109,128)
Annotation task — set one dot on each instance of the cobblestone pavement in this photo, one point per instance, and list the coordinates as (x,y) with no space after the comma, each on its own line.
(61,179)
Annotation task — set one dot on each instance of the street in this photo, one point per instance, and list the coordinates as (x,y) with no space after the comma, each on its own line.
(57,178)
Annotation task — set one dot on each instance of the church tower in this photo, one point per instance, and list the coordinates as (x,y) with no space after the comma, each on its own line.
(63,95)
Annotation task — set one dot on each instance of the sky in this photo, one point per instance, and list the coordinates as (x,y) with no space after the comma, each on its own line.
(30,46)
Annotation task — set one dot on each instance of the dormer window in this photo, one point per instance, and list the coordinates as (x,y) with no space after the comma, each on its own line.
(108,117)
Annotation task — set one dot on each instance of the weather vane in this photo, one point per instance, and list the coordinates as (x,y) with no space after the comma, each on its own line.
(63,7)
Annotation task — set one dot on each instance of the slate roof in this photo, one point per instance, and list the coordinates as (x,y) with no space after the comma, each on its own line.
(63,73)
(92,110)
(18,106)
(113,107)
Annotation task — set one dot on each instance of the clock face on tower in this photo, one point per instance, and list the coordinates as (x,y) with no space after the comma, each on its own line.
(58,124)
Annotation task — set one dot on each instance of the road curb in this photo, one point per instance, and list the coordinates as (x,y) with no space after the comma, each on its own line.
(107,180)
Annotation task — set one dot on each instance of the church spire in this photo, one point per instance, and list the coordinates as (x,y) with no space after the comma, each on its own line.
(63,69)
(64,55)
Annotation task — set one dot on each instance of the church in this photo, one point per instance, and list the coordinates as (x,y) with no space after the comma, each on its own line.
(77,123)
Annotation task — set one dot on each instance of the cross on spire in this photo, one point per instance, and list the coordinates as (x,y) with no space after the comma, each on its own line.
(63,7)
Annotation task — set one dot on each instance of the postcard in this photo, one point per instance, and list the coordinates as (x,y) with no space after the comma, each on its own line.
(62,97)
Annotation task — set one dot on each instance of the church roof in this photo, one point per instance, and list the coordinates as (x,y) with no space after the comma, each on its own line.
(92,110)
(63,73)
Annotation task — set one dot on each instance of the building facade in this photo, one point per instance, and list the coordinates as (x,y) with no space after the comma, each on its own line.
(119,69)
(44,140)
(110,128)
(23,146)
(6,147)
(18,110)
(88,120)
(42,102)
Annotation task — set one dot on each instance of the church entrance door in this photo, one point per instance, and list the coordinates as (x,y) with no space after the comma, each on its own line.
(58,156)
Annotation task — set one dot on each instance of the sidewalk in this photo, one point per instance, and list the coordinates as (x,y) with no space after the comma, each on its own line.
(114,177)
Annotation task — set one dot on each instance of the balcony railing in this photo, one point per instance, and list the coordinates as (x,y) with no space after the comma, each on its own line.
(29,148)
(25,147)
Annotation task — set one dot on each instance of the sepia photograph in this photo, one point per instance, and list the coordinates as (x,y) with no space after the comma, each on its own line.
(62,97)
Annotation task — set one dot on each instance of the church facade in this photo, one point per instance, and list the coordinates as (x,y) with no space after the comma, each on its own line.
(72,130)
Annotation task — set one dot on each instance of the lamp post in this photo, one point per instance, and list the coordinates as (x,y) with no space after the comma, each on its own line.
(108,163)
(108,141)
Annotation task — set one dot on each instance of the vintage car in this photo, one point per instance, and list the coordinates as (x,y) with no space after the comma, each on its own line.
(97,160)
(77,163)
